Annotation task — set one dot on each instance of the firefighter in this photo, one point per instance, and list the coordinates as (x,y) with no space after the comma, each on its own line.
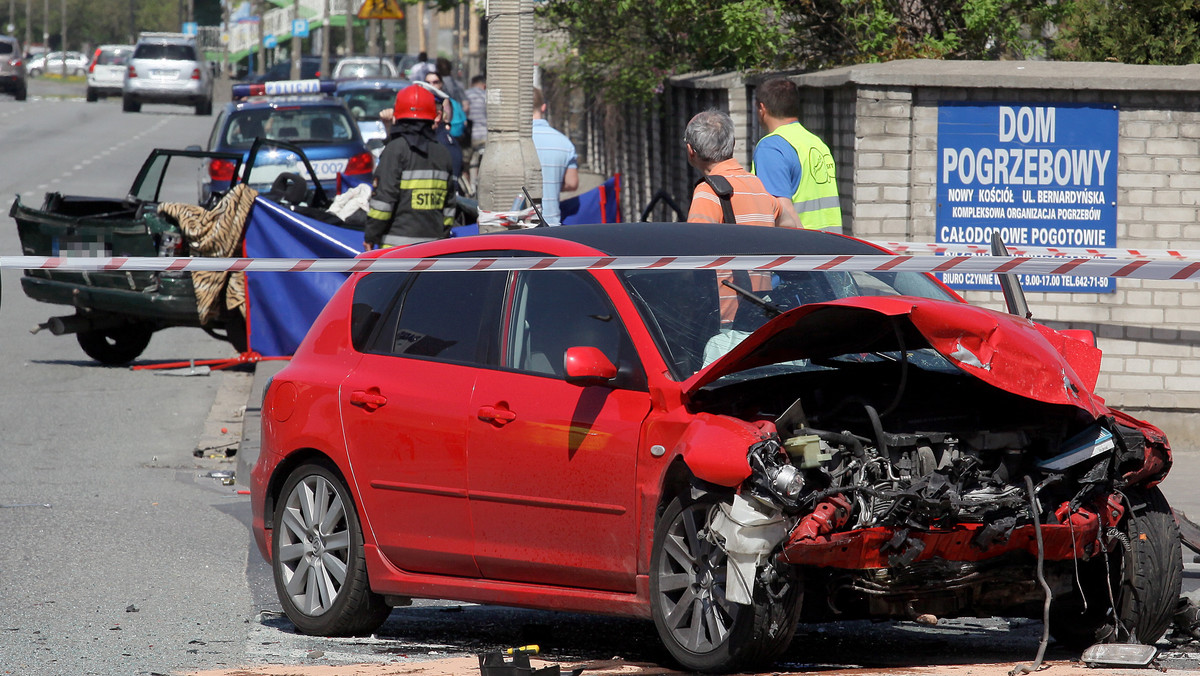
(414,197)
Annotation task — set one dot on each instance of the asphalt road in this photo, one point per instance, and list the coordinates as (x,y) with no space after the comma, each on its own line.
(121,557)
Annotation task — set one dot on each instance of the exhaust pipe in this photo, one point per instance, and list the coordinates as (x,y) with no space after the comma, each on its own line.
(61,326)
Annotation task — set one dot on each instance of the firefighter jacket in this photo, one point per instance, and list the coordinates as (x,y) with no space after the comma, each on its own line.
(414,193)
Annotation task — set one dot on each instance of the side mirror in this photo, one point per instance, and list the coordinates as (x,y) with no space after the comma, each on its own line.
(588,366)
(1082,335)
(375,144)
(194,147)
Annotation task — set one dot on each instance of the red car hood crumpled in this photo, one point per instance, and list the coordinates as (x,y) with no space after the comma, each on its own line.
(1008,352)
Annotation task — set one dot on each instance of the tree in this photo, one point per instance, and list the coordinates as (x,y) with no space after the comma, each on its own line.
(628,47)
(1165,32)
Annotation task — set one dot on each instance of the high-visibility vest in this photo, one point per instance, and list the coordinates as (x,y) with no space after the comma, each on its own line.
(816,197)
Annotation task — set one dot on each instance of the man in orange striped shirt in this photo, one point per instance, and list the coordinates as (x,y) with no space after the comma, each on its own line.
(709,139)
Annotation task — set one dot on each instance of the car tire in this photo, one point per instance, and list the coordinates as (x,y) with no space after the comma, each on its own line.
(204,108)
(22,93)
(129,105)
(1146,577)
(306,565)
(91,95)
(687,569)
(36,72)
(117,345)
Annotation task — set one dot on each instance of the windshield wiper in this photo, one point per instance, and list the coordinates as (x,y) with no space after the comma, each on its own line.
(770,308)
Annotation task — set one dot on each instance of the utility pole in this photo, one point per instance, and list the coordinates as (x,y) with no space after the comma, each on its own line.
(63,8)
(28,25)
(46,25)
(511,161)
(259,63)
(348,50)
(325,40)
(295,41)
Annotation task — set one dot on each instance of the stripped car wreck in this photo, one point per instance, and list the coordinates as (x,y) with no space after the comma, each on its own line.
(940,460)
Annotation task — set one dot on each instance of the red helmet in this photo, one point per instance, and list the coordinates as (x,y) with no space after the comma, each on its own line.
(415,102)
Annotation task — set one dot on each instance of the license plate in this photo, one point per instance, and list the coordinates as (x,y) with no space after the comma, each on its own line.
(164,74)
(326,168)
(81,247)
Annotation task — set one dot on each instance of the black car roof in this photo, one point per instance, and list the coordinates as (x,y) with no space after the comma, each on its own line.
(701,239)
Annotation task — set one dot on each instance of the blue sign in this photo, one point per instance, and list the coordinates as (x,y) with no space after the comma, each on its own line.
(1043,175)
(300,28)
(189,27)
(269,41)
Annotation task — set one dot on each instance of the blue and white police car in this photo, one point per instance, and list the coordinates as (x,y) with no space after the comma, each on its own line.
(300,112)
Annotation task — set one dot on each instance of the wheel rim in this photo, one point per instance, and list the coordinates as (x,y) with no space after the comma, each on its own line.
(314,545)
(691,584)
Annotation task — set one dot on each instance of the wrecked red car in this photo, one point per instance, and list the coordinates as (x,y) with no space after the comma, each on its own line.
(727,453)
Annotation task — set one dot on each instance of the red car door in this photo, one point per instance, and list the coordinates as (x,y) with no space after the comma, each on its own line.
(404,413)
(552,464)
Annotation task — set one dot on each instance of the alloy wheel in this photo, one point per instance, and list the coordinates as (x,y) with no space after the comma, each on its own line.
(314,545)
(691,583)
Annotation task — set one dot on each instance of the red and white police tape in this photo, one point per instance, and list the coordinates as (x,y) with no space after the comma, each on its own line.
(1017,250)
(1171,268)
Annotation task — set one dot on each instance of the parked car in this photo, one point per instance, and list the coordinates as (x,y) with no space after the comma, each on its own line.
(106,72)
(303,113)
(830,445)
(365,99)
(167,68)
(12,68)
(53,63)
(353,67)
(310,68)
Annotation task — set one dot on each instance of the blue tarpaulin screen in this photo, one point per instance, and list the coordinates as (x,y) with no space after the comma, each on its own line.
(283,305)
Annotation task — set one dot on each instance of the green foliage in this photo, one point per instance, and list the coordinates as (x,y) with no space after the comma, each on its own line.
(626,48)
(1165,32)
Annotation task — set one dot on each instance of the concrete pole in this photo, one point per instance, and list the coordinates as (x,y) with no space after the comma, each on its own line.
(372,37)
(389,37)
(511,161)
(260,63)
(63,21)
(473,43)
(295,43)
(29,24)
(348,50)
(325,40)
(46,25)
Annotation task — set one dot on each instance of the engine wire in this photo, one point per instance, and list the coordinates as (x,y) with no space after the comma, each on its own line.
(1037,530)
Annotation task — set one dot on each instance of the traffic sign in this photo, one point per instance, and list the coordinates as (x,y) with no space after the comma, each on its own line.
(189,27)
(300,28)
(269,41)
(381,9)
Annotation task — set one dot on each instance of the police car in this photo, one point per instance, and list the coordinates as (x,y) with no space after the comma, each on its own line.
(299,112)
(366,98)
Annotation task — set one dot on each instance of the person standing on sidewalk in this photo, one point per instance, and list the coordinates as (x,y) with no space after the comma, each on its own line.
(728,194)
(560,165)
(793,163)
(414,196)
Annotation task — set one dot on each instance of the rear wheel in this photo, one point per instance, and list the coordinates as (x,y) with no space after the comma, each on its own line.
(129,105)
(701,628)
(1145,570)
(317,548)
(91,95)
(22,93)
(204,108)
(116,345)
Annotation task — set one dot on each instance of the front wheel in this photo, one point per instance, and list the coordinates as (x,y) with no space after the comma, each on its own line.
(115,345)
(317,547)
(699,626)
(1144,573)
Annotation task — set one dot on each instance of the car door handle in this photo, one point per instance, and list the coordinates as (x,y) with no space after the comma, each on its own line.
(496,416)
(368,400)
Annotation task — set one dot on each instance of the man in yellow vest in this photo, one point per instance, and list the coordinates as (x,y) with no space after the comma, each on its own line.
(794,165)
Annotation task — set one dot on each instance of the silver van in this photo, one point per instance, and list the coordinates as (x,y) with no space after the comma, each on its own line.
(12,68)
(167,68)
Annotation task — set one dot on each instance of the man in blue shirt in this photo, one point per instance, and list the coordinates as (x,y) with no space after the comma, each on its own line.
(560,166)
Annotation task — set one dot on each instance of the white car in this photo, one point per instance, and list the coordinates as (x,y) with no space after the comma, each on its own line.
(167,68)
(363,67)
(106,74)
(76,64)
